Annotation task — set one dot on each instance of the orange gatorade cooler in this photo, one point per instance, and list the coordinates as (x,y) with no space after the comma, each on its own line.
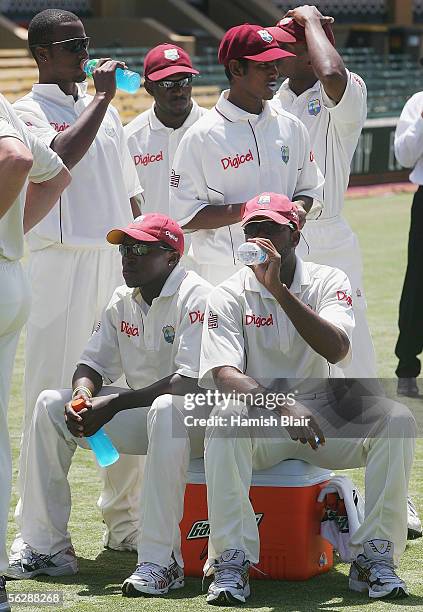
(284,498)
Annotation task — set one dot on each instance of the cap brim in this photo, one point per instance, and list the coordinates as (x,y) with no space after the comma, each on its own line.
(165,72)
(116,236)
(268,214)
(270,55)
(280,35)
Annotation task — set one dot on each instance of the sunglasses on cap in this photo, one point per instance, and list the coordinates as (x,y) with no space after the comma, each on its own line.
(140,249)
(73,45)
(181,83)
(270,228)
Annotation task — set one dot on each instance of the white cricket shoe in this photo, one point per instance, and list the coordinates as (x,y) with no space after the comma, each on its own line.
(31,564)
(130,544)
(373,572)
(231,579)
(414,524)
(152,579)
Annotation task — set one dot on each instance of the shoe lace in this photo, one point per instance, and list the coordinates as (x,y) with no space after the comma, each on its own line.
(382,569)
(151,570)
(31,558)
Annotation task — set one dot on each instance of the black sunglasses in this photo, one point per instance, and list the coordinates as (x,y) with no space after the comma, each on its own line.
(73,45)
(140,249)
(181,83)
(270,228)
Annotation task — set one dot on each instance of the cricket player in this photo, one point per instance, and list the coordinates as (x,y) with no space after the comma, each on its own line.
(68,247)
(241,147)
(282,323)
(332,104)
(22,158)
(151,333)
(154,136)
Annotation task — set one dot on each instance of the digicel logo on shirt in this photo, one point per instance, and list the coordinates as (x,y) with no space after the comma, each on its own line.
(129,329)
(258,321)
(148,158)
(196,317)
(59,127)
(235,162)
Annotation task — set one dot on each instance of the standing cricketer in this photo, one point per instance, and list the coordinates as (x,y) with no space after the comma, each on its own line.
(240,148)
(72,270)
(22,157)
(332,104)
(309,321)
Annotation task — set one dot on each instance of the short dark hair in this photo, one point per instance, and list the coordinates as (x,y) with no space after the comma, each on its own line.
(243,62)
(41,26)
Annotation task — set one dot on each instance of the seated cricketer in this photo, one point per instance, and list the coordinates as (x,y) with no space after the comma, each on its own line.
(266,327)
(151,333)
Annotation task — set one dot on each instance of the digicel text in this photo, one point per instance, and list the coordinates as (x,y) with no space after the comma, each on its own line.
(148,158)
(235,162)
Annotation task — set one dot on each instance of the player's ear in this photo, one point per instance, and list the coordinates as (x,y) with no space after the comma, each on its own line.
(174,258)
(295,237)
(149,87)
(236,68)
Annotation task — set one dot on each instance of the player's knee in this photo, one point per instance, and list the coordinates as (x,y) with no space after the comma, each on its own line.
(50,404)
(161,410)
(401,421)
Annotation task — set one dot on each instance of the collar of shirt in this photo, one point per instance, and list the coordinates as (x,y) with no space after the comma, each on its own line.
(233,113)
(156,124)
(301,279)
(285,90)
(53,92)
(170,287)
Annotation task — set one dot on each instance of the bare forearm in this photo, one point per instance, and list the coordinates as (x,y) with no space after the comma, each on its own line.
(41,197)
(213,216)
(85,376)
(72,144)
(230,380)
(326,61)
(15,164)
(305,201)
(323,337)
(136,205)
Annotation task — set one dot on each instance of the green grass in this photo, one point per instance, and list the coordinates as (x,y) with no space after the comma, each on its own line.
(382,226)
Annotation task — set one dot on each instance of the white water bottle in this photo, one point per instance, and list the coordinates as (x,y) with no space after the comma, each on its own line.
(250,254)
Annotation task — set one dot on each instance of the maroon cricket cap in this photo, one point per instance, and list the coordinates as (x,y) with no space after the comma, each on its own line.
(274,206)
(287,25)
(166,59)
(252,42)
(152,227)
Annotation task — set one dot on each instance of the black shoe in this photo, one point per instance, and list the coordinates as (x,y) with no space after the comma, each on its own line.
(4,603)
(407,387)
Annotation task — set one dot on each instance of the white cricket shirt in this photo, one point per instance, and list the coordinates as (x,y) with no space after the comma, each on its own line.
(97,200)
(334,132)
(246,328)
(46,166)
(148,343)
(153,146)
(228,157)
(409,138)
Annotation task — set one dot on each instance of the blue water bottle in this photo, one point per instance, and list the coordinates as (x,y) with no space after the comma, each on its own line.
(126,80)
(100,443)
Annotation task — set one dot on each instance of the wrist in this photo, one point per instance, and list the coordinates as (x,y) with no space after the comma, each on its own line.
(103,97)
(280,292)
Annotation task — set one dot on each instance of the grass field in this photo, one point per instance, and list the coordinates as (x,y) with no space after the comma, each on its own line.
(382,226)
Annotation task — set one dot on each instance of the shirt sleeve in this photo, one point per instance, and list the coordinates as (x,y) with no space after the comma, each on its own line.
(336,307)
(187,358)
(130,175)
(310,180)
(409,133)
(188,187)
(223,339)
(35,121)
(349,114)
(8,131)
(102,352)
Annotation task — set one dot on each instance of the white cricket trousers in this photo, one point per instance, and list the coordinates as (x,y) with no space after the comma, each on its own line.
(70,288)
(231,453)
(14,309)
(46,500)
(331,242)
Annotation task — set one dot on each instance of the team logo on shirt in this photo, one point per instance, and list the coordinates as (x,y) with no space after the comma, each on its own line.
(174,179)
(265,35)
(212,322)
(171,54)
(169,333)
(129,329)
(285,153)
(258,321)
(110,130)
(314,107)
(148,158)
(235,162)
(344,296)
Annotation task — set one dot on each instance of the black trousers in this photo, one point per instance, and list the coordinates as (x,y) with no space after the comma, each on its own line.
(410,322)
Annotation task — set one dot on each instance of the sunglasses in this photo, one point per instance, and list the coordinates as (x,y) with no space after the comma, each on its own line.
(181,83)
(73,45)
(140,249)
(270,228)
